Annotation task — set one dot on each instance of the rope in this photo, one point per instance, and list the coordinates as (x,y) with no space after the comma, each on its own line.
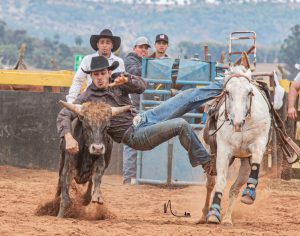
(166,205)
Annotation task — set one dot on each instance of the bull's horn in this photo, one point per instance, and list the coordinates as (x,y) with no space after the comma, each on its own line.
(72,107)
(117,110)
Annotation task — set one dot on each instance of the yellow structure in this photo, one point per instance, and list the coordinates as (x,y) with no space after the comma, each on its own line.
(55,78)
(41,78)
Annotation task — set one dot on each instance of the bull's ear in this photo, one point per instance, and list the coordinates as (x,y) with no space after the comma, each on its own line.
(72,107)
(117,110)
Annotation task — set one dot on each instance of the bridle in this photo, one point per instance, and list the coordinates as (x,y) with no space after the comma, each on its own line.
(248,113)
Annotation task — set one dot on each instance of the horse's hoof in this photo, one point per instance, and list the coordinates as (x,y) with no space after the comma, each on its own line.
(213,220)
(227,222)
(247,200)
(248,196)
(213,217)
(201,221)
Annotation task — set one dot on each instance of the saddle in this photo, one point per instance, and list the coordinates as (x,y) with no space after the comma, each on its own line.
(212,109)
(210,130)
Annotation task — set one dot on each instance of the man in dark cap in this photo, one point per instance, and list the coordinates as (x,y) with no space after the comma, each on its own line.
(104,44)
(133,65)
(161,46)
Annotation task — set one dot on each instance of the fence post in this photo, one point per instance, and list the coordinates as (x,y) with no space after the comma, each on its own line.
(285,169)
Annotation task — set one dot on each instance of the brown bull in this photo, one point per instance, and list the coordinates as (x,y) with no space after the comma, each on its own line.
(95,145)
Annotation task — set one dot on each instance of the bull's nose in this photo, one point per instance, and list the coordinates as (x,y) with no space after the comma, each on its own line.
(97,149)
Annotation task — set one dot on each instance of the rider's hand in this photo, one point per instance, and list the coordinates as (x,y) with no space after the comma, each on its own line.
(71,144)
(292,113)
(121,79)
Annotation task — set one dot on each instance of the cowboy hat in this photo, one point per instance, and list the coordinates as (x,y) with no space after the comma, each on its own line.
(106,33)
(100,63)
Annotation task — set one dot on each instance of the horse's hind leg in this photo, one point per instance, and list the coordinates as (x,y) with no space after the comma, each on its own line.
(235,189)
(210,184)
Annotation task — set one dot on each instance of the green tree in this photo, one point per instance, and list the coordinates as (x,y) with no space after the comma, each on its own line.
(2,29)
(9,53)
(289,51)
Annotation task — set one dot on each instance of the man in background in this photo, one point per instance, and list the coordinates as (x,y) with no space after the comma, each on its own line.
(104,44)
(133,65)
(161,46)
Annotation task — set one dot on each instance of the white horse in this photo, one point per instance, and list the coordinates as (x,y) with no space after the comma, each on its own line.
(246,123)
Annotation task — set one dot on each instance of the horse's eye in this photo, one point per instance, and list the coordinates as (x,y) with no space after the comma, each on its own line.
(227,93)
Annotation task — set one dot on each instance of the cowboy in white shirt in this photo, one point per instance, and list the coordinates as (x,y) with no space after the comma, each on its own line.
(104,44)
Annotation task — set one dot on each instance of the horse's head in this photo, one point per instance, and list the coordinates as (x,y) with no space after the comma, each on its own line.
(238,96)
(95,118)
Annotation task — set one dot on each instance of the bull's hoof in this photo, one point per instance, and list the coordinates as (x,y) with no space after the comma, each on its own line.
(213,216)
(248,196)
(97,198)
(61,213)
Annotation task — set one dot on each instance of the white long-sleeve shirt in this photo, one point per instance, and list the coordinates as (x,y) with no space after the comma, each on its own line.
(80,76)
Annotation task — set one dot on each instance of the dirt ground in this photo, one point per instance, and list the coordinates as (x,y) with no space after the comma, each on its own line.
(138,209)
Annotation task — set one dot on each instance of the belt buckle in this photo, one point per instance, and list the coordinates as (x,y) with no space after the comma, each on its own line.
(136,120)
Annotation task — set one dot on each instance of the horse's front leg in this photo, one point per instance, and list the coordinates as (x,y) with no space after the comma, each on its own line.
(223,155)
(210,184)
(249,193)
(235,189)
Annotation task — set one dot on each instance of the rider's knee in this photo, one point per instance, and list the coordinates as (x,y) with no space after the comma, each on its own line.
(182,124)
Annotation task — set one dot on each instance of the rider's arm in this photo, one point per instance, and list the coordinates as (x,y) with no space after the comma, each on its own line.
(135,84)
(64,122)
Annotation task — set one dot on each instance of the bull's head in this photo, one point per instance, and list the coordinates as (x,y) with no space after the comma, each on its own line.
(95,118)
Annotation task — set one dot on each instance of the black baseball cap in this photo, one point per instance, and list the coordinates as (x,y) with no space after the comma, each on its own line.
(162,37)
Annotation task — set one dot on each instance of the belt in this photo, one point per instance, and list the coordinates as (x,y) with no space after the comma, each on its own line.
(137,120)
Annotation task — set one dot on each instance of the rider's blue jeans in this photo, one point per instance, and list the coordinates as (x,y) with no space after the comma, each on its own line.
(162,123)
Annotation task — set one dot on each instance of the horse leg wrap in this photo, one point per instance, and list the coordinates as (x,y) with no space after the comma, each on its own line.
(252,182)
(215,207)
